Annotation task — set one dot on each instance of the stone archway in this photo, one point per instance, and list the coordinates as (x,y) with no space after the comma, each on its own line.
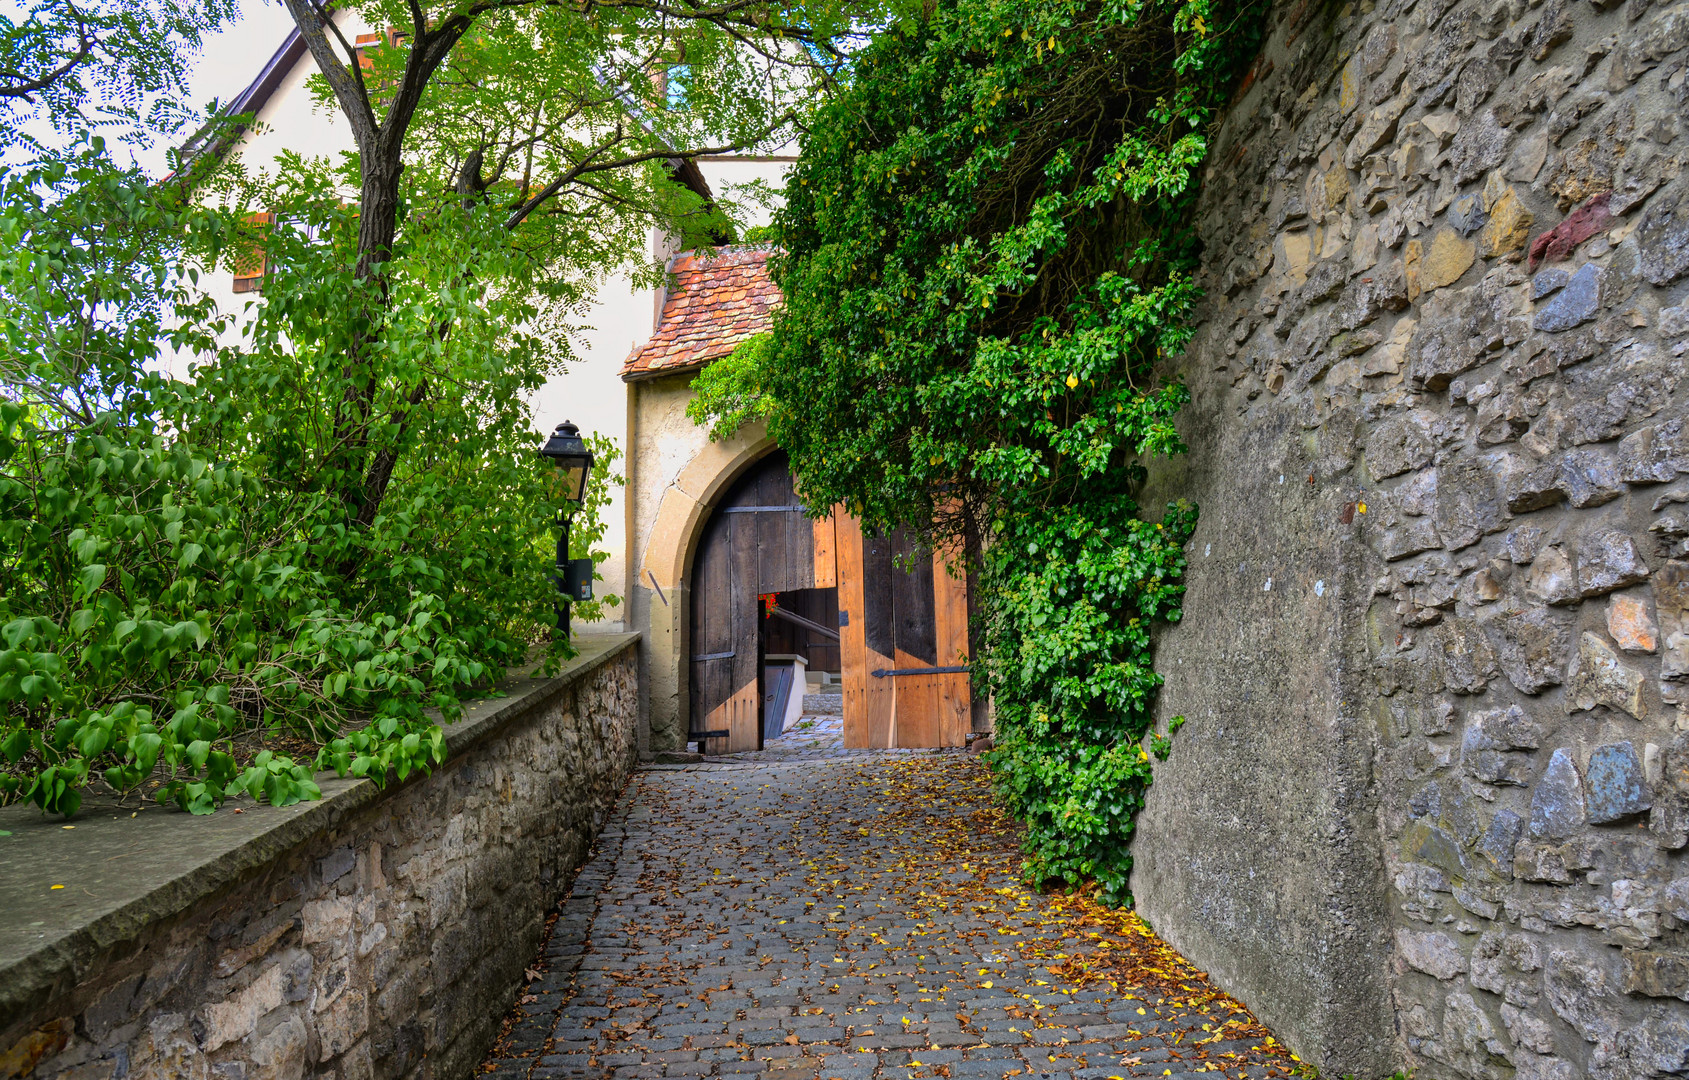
(662,589)
(903,633)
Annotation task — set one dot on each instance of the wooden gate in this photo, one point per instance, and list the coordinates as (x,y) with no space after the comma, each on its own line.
(903,635)
(757,542)
(904,642)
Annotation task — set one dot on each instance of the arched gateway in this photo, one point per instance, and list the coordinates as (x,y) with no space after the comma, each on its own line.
(773,591)
(729,569)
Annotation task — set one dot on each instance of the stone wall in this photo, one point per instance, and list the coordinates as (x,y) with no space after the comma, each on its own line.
(1429,806)
(372,934)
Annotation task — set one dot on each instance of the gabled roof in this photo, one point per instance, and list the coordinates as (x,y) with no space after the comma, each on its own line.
(251,100)
(719,299)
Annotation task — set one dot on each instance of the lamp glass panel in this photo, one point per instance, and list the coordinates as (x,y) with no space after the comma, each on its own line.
(574,478)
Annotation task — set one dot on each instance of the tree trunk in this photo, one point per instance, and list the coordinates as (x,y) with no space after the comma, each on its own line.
(378,213)
(362,489)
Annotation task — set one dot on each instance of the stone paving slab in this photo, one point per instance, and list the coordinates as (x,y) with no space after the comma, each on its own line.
(849,917)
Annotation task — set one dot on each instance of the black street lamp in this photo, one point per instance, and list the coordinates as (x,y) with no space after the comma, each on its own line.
(568,451)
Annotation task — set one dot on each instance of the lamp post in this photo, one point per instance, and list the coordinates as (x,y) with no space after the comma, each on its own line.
(568,451)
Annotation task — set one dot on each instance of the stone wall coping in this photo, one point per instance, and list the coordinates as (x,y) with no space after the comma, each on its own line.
(123,868)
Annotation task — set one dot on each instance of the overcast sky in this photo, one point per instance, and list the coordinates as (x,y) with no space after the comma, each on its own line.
(233,57)
(230,60)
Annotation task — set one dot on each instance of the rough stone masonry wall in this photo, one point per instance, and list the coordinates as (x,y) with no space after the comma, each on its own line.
(1430,805)
(386,946)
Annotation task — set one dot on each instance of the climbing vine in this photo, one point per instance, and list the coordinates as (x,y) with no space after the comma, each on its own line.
(986,252)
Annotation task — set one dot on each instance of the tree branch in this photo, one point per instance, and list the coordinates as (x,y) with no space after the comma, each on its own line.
(348,89)
(26,86)
(521,212)
(586,166)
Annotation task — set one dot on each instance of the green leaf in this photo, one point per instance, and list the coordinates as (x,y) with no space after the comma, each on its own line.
(91,577)
(15,745)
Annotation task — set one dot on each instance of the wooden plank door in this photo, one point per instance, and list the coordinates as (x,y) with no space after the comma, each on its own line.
(825,534)
(901,612)
(914,641)
(853,661)
(864,644)
(899,620)
(950,624)
(757,541)
(713,642)
(745,564)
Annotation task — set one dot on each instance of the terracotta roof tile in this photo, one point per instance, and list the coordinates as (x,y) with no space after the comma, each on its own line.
(719,299)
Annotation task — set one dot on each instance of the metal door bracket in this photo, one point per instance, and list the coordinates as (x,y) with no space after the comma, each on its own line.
(883,673)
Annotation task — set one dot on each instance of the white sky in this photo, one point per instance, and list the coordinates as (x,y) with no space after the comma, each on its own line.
(233,58)
(230,60)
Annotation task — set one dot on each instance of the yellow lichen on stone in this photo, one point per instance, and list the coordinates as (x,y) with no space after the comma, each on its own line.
(1509,227)
(1336,187)
(1449,257)
(1494,188)
(1349,86)
(1292,252)
(1631,626)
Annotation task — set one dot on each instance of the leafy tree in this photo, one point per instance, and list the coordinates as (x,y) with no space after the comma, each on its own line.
(177,582)
(562,118)
(987,251)
(338,522)
(122,64)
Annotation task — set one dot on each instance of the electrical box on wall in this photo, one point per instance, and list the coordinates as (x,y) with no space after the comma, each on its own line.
(577,579)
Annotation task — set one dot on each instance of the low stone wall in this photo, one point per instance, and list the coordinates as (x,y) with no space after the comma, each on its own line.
(369,934)
(1429,808)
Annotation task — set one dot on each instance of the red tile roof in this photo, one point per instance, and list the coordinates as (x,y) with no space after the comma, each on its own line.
(719,299)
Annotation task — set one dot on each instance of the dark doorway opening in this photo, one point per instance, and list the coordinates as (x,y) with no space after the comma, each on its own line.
(819,650)
(800,643)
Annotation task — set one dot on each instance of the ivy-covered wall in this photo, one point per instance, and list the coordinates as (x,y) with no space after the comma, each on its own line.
(1429,805)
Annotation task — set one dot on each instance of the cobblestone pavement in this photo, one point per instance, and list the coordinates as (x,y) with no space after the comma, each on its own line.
(809,738)
(851,917)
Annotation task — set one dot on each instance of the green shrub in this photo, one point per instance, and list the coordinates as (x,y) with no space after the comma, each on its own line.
(189,567)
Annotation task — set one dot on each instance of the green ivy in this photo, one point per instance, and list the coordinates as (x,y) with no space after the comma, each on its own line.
(987,251)
(1073,595)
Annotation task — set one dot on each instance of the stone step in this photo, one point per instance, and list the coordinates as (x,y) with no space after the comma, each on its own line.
(824,704)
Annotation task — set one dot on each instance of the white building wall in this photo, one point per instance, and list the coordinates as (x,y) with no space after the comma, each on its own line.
(293,121)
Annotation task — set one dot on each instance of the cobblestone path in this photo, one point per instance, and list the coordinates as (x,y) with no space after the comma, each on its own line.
(852,917)
(810,739)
